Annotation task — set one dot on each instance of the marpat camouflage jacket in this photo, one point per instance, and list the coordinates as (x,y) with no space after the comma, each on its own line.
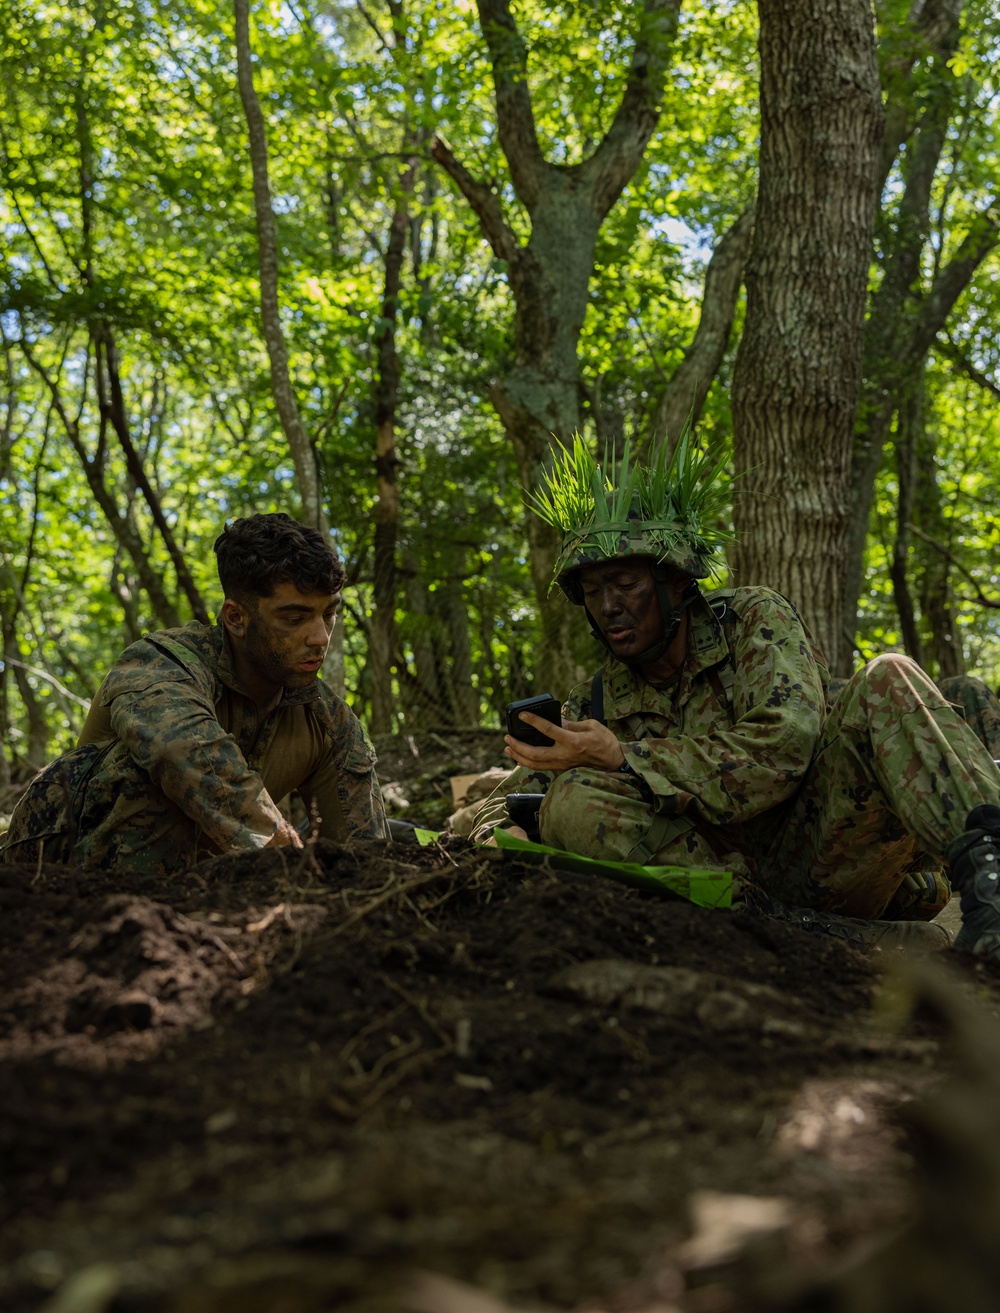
(173,703)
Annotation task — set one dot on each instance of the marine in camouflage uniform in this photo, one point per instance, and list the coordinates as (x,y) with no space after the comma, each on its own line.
(177,762)
(737,763)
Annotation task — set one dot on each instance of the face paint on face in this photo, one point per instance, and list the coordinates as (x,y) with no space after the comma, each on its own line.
(621,598)
(287,636)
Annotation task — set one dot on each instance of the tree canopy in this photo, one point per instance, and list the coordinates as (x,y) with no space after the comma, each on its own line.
(493,223)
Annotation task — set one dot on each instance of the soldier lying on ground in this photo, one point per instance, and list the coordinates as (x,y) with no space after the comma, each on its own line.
(706,738)
(195,733)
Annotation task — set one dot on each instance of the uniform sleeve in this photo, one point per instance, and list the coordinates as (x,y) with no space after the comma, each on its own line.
(166,719)
(344,789)
(739,770)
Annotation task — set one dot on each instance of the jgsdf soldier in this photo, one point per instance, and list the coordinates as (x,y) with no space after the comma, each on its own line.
(196,733)
(706,739)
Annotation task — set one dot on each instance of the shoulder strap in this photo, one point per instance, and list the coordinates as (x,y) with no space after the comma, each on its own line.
(597,697)
(724,675)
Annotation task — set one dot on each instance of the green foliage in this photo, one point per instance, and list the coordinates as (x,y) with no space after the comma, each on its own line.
(126,209)
(677,501)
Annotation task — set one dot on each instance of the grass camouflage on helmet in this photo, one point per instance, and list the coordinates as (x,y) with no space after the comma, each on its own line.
(668,510)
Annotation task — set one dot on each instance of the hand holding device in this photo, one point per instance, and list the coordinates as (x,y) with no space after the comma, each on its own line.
(543,705)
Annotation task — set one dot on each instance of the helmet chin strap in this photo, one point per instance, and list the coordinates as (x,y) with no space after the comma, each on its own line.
(671,619)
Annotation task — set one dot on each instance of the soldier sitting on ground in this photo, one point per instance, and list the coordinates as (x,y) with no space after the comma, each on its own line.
(196,733)
(706,739)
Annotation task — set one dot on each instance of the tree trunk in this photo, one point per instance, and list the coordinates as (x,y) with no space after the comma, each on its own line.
(9,615)
(888,339)
(908,313)
(909,432)
(688,387)
(897,344)
(930,29)
(538,399)
(386,514)
(36,747)
(303,455)
(424,695)
(456,620)
(111,400)
(302,451)
(942,638)
(798,369)
(36,750)
(125,534)
(120,586)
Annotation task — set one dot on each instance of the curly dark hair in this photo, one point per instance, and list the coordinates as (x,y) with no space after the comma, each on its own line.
(260,552)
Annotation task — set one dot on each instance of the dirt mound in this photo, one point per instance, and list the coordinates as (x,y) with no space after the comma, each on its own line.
(287,1081)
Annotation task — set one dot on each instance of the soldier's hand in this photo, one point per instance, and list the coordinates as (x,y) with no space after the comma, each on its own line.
(577,743)
(285,836)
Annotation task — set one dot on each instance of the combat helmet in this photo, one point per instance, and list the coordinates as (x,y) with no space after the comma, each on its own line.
(667,511)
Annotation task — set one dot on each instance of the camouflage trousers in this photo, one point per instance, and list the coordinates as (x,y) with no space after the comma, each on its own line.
(896,771)
(94,808)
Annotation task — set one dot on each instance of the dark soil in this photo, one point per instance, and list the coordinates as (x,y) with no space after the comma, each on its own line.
(286,1083)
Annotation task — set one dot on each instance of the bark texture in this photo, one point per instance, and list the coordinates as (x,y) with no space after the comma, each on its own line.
(798,369)
(538,399)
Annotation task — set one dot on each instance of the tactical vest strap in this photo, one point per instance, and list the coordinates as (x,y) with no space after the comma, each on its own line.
(655,838)
(723,677)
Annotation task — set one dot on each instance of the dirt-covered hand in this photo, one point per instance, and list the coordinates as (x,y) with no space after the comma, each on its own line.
(285,836)
(577,743)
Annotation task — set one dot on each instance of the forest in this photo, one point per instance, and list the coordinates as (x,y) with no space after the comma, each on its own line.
(370,262)
(367,261)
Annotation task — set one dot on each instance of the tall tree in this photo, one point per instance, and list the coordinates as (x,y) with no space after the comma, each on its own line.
(798,370)
(386,511)
(285,403)
(921,279)
(538,396)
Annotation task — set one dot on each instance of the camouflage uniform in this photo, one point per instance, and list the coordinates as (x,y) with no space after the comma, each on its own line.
(175,764)
(736,764)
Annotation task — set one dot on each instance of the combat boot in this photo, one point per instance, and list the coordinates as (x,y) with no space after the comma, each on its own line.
(855,930)
(974,859)
(927,935)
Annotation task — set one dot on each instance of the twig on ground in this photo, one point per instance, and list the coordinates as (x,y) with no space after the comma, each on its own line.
(397,888)
(255,927)
(345,1109)
(419,1007)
